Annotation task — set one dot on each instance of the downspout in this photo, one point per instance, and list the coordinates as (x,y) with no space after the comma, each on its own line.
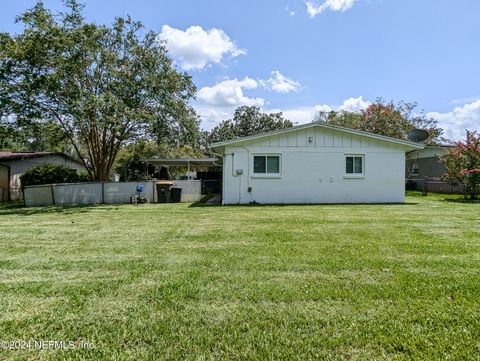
(248,169)
(236,175)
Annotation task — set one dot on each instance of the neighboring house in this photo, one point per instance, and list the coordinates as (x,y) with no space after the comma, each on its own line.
(314,163)
(423,167)
(14,164)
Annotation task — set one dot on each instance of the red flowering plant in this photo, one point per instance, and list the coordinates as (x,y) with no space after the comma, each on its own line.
(463,164)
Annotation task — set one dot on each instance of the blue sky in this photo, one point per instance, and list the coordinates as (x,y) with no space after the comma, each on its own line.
(300,56)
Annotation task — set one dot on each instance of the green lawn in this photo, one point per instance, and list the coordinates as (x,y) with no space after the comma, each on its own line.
(244,282)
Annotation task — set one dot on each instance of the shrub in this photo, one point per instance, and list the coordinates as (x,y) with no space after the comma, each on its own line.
(52,173)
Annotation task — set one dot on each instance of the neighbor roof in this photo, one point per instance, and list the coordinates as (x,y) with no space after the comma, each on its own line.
(321,125)
(6,156)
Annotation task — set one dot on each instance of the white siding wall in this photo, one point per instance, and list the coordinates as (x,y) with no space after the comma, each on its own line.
(314,171)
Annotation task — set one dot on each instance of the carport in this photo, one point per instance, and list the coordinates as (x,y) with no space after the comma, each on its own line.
(189,163)
(203,175)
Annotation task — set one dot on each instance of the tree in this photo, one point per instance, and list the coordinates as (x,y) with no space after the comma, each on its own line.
(11,138)
(104,86)
(389,119)
(247,120)
(41,136)
(463,164)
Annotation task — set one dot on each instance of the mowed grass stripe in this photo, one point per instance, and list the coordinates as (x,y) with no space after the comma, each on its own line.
(244,282)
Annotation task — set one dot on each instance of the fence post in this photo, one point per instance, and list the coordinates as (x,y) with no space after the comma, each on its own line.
(103,192)
(153,191)
(53,195)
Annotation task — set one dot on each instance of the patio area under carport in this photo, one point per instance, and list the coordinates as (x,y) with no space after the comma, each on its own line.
(203,176)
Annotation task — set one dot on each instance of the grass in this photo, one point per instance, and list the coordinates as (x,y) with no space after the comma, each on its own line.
(154,282)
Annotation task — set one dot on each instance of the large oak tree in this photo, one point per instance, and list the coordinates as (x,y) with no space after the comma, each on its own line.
(103,85)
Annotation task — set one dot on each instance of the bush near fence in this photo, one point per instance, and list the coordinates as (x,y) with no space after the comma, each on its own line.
(102,192)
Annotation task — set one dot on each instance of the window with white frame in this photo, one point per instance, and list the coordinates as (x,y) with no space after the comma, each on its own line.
(354,164)
(266,164)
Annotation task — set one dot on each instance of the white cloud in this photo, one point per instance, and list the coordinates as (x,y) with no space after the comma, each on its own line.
(313,8)
(354,104)
(302,115)
(196,48)
(229,93)
(459,119)
(212,115)
(218,102)
(280,83)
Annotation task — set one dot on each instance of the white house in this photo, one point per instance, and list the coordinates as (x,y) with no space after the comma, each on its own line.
(314,163)
(14,164)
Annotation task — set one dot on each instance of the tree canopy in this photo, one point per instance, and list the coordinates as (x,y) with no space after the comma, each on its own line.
(247,120)
(103,86)
(385,118)
(42,136)
(463,164)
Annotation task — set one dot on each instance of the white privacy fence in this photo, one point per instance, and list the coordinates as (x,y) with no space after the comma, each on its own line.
(103,192)
(191,190)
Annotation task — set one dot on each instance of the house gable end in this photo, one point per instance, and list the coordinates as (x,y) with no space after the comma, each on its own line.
(316,137)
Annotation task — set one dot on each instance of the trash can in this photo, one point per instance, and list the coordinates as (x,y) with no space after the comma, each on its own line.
(175,194)
(164,196)
(163,191)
